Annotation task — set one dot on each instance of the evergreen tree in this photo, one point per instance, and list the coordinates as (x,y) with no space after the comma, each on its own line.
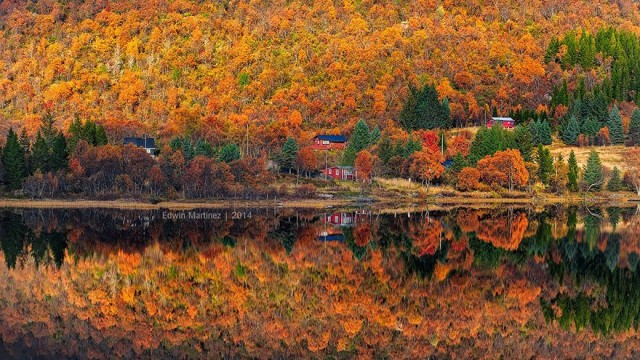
(544,132)
(534,129)
(615,183)
(288,154)
(59,153)
(101,136)
(13,161)
(47,127)
(545,164)
(374,136)
(25,141)
(385,149)
(489,141)
(616,132)
(75,133)
(358,141)
(40,156)
(204,148)
(413,145)
(593,172)
(573,172)
(523,141)
(571,132)
(634,128)
(423,110)
(230,153)
(88,132)
(590,128)
(459,162)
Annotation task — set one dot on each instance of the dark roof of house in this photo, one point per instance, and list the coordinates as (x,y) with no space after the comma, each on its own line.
(447,163)
(332,138)
(147,143)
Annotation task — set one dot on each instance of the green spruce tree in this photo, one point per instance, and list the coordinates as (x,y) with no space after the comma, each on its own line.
(13,161)
(615,183)
(593,177)
(40,155)
(229,153)
(634,128)
(571,132)
(101,136)
(358,141)
(573,173)
(545,164)
(374,136)
(59,153)
(534,129)
(616,131)
(545,132)
(288,154)
(523,141)
(413,145)
(459,162)
(75,133)
(385,149)
(423,110)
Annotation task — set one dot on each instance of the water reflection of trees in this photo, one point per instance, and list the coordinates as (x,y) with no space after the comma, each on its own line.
(579,264)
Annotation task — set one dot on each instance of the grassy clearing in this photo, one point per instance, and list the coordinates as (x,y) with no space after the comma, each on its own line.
(609,155)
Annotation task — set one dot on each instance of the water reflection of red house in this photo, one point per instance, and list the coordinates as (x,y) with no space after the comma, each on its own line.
(333,224)
(340,219)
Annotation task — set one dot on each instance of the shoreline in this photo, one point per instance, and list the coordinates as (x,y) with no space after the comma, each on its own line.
(377,203)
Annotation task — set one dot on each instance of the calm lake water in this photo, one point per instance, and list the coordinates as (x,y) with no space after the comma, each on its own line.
(466,283)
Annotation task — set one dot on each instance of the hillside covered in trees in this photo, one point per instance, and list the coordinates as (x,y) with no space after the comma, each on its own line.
(214,70)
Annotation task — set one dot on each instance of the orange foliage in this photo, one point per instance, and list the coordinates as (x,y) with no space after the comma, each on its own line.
(468,179)
(504,168)
(504,232)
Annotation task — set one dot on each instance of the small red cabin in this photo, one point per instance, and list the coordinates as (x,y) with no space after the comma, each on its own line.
(327,142)
(341,172)
(507,122)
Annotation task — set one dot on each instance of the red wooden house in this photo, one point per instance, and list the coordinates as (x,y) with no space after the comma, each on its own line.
(341,172)
(507,122)
(328,142)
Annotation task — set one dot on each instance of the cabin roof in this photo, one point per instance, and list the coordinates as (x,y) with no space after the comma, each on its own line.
(332,138)
(147,143)
(501,119)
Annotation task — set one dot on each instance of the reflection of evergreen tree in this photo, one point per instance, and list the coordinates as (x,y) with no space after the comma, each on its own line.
(539,244)
(612,251)
(285,233)
(614,216)
(229,241)
(358,251)
(12,234)
(39,247)
(58,245)
(592,223)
